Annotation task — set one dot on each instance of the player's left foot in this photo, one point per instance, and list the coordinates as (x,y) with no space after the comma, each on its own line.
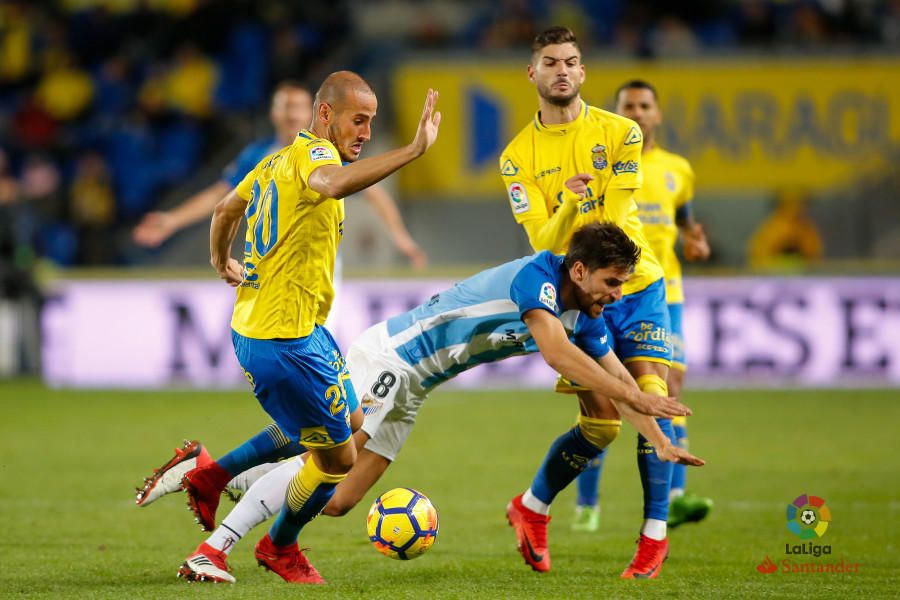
(688,508)
(286,561)
(167,478)
(206,564)
(587,518)
(531,534)
(648,558)
(204,486)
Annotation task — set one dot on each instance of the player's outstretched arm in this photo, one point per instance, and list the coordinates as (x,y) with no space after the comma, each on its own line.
(158,226)
(572,363)
(333,181)
(226,218)
(386,209)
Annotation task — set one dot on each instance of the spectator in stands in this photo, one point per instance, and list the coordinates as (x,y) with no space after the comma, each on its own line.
(788,236)
(92,209)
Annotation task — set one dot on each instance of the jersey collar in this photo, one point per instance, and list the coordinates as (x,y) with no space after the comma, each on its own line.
(562,128)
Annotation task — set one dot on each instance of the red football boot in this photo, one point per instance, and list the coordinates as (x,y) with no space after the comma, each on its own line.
(531,534)
(204,486)
(167,478)
(287,562)
(206,564)
(648,558)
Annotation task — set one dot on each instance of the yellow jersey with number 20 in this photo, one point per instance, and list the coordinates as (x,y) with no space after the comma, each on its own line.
(293,234)
(668,185)
(539,160)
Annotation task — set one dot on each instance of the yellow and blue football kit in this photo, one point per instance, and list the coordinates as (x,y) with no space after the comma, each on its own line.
(297,370)
(667,192)
(535,167)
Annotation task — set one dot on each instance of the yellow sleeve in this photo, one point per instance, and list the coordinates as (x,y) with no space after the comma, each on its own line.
(618,205)
(687,192)
(553,233)
(245,188)
(545,231)
(317,153)
(626,167)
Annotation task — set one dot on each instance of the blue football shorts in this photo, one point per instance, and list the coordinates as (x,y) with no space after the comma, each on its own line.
(303,384)
(639,325)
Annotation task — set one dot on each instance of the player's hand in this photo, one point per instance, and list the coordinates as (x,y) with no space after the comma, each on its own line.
(696,248)
(232,272)
(578,184)
(154,229)
(427,132)
(417,257)
(659,406)
(675,454)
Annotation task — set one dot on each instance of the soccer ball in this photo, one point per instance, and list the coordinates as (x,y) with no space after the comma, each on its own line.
(808,516)
(402,523)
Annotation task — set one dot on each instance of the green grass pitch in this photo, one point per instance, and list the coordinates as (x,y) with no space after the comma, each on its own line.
(70,461)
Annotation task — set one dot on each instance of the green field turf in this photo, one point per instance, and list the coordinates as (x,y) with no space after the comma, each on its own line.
(70,461)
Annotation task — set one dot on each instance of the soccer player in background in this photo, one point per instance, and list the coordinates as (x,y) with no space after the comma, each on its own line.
(664,207)
(576,164)
(543,303)
(290,111)
(293,201)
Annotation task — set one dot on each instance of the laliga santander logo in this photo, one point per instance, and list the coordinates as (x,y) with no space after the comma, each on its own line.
(808,517)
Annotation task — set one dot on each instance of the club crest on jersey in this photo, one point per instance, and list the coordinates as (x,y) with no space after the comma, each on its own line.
(598,157)
(320,153)
(548,296)
(519,197)
(626,166)
(508,169)
(670,182)
(634,136)
(370,404)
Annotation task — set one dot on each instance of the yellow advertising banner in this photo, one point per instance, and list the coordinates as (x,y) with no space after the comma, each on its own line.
(744,125)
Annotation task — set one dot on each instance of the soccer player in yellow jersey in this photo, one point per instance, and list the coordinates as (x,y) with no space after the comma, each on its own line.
(664,207)
(290,111)
(293,202)
(574,164)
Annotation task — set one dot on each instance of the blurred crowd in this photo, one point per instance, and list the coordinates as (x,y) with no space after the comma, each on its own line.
(645,28)
(106,105)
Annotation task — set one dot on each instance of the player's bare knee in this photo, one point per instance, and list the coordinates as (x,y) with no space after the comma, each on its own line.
(596,406)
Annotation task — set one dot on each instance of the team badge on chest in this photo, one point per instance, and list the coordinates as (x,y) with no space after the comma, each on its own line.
(598,157)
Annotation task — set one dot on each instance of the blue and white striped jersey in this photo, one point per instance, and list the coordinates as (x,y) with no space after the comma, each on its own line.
(479,320)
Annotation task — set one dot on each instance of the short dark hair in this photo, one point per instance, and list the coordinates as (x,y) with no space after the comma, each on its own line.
(292,85)
(552,36)
(636,84)
(601,245)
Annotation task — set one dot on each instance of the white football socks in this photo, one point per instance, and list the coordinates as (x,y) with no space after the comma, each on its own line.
(654,529)
(533,504)
(243,481)
(263,500)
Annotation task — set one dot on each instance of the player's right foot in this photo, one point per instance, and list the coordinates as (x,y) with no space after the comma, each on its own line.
(206,564)
(587,518)
(531,534)
(287,562)
(688,508)
(648,558)
(167,478)
(204,486)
